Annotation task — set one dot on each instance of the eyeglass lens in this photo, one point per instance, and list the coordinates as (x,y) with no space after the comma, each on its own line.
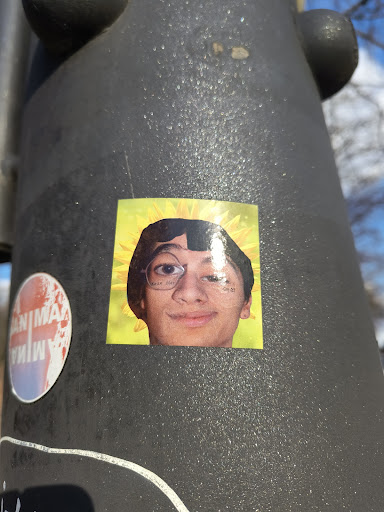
(165,270)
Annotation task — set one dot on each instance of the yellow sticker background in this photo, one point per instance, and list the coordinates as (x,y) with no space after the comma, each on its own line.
(133,215)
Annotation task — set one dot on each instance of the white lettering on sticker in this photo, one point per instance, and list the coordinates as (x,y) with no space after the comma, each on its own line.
(19,353)
(41,316)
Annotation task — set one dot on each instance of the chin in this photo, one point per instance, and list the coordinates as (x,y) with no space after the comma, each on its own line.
(196,342)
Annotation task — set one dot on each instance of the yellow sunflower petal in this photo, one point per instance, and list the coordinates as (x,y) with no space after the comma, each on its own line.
(153,216)
(120,287)
(240,236)
(232,224)
(139,326)
(127,244)
(123,257)
(170,211)
(252,246)
(195,210)
(159,212)
(142,223)
(121,273)
(121,268)
(206,211)
(252,255)
(182,209)
(127,310)
(220,218)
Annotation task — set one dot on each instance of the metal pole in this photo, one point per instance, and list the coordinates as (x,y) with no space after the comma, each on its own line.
(14,48)
(175,109)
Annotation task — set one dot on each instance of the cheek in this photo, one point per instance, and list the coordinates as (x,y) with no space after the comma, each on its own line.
(155,302)
(230,298)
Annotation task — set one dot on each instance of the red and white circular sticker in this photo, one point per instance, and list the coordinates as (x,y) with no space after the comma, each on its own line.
(39,336)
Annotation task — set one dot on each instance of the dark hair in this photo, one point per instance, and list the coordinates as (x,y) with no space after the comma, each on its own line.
(200,234)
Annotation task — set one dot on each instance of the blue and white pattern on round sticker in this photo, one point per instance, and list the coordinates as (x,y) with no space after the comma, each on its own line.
(39,336)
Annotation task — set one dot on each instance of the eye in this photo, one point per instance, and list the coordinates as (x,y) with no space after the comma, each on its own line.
(216,278)
(167,269)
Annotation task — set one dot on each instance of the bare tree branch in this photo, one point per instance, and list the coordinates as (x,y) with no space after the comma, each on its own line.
(370,39)
(349,12)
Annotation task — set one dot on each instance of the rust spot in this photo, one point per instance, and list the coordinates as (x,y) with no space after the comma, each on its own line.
(240,53)
(217,48)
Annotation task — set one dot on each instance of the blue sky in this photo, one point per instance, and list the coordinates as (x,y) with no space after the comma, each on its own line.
(370,77)
(364,24)
(5,271)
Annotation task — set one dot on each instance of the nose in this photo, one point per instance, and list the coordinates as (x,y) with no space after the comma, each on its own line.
(189,290)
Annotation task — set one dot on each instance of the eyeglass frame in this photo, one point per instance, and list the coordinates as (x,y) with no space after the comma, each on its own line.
(145,271)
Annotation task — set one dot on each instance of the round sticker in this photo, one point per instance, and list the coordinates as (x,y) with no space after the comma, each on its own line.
(39,336)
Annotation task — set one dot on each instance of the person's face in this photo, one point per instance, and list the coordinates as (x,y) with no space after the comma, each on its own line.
(204,306)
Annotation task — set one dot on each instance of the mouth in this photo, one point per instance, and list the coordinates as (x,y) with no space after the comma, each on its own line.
(194,319)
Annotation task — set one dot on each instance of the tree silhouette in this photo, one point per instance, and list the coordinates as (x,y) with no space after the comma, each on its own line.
(355,119)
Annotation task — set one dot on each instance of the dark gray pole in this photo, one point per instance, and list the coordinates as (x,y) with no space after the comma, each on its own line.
(14,37)
(203,100)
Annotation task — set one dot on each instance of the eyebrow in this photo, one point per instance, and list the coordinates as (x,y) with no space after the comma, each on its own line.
(166,248)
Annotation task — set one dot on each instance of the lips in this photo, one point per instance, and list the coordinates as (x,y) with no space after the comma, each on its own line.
(194,319)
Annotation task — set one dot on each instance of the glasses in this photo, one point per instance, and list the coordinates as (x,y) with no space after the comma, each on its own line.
(165,271)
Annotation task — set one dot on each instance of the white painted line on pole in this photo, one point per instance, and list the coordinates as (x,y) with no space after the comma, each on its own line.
(102,457)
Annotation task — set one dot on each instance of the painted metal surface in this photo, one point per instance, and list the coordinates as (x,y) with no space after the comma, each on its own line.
(14,38)
(207,101)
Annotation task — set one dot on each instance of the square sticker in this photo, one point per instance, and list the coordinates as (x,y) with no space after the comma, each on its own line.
(186,272)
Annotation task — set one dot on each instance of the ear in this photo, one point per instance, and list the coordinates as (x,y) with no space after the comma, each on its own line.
(142,304)
(246,309)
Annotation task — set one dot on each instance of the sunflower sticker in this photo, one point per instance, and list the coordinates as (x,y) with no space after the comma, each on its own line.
(186,272)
